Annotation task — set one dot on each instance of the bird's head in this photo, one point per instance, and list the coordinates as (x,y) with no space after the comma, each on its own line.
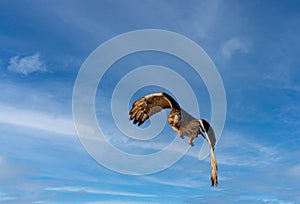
(174,120)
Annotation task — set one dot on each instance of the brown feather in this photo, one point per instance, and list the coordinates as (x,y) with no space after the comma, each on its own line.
(181,121)
(147,106)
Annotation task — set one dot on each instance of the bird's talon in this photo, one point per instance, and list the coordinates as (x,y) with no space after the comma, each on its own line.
(191,143)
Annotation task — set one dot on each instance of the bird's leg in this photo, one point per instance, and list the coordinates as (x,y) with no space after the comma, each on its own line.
(191,141)
(181,135)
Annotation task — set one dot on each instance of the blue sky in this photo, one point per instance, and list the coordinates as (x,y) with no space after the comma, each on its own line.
(255,46)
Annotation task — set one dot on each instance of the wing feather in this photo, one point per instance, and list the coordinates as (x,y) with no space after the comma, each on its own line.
(205,127)
(148,105)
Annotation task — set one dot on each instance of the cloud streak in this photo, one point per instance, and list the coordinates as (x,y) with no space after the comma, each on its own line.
(121,202)
(76,189)
(36,120)
(4,197)
(186,182)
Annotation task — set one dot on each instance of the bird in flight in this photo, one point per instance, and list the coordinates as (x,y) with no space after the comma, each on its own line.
(181,122)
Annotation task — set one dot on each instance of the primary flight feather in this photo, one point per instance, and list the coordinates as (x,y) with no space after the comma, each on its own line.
(180,121)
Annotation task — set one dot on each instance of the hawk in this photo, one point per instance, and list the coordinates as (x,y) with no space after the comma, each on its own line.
(181,122)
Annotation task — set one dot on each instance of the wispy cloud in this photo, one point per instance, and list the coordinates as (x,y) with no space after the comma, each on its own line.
(263,199)
(187,182)
(121,202)
(277,201)
(26,65)
(250,153)
(233,46)
(36,120)
(76,189)
(282,76)
(4,197)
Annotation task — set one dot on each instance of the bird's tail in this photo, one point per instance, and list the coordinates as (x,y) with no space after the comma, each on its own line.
(214,168)
(211,139)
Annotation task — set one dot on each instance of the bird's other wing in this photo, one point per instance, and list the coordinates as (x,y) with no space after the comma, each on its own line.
(208,130)
(211,139)
(150,104)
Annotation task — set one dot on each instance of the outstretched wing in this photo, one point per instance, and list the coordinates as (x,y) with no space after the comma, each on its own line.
(211,139)
(208,130)
(148,105)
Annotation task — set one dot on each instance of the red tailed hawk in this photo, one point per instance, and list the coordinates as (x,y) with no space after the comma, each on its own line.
(180,121)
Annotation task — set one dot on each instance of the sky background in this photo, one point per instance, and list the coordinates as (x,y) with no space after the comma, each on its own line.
(254,44)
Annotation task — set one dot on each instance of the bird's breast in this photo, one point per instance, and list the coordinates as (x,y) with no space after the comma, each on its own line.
(174,121)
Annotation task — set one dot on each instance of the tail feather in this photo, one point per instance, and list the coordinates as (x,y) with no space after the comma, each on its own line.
(211,139)
(214,169)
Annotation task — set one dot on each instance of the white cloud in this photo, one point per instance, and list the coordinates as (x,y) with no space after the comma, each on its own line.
(187,182)
(26,65)
(277,201)
(36,120)
(4,197)
(121,202)
(77,189)
(263,199)
(234,45)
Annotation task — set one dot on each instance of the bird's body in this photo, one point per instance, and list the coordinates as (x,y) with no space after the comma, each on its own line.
(180,121)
